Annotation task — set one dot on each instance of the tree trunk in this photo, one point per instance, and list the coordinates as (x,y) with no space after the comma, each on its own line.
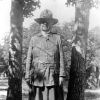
(15,52)
(77,79)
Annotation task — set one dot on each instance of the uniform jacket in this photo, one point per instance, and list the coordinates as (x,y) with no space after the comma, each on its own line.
(45,60)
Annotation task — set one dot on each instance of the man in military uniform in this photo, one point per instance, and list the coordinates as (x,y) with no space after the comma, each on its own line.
(44,62)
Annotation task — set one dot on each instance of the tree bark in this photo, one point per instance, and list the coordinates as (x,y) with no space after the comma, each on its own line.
(77,81)
(14,91)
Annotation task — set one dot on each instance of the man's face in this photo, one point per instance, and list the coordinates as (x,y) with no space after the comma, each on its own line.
(45,26)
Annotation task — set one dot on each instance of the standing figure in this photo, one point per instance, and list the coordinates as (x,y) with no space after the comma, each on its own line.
(44,64)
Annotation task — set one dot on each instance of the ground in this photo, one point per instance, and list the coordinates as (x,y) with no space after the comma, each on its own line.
(89,94)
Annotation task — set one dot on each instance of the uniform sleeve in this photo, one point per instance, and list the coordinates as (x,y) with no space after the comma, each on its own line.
(62,67)
(28,60)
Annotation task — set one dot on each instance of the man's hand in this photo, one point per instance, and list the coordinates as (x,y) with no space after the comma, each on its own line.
(61,79)
(27,81)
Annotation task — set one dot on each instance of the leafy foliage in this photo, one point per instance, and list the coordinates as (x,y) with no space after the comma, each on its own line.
(91,3)
(29,6)
(67,35)
(1,52)
(4,50)
(90,50)
(4,58)
(93,57)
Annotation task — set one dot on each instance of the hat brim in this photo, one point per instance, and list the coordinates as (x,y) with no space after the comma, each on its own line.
(48,20)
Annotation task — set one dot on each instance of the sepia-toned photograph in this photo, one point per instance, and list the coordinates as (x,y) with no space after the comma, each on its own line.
(49,49)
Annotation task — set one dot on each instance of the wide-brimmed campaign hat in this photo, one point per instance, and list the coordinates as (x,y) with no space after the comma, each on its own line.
(46,16)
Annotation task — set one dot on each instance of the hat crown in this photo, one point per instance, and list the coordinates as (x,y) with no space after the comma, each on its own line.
(46,14)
